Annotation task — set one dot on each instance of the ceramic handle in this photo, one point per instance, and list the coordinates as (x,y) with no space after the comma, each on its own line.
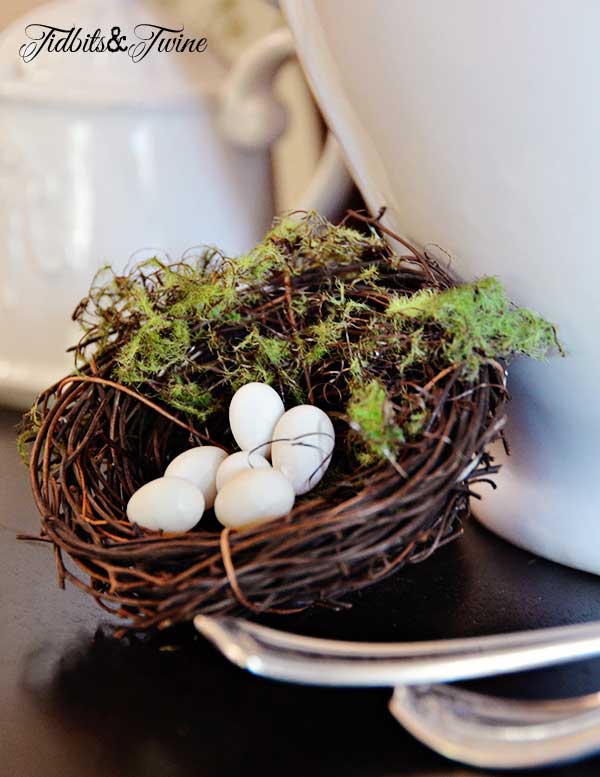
(251,117)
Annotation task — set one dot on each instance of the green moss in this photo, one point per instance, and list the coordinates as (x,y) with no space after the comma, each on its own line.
(158,344)
(169,309)
(314,237)
(268,350)
(191,333)
(369,275)
(345,306)
(417,352)
(416,422)
(274,350)
(373,416)
(190,398)
(416,305)
(261,358)
(357,368)
(479,323)
(205,300)
(248,373)
(300,303)
(322,337)
(28,429)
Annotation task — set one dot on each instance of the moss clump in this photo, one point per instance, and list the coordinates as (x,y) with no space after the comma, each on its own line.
(322,337)
(192,399)
(416,422)
(325,314)
(158,344)
(479,323)
(159,318)
(262,358)
(27,431)
(373,416)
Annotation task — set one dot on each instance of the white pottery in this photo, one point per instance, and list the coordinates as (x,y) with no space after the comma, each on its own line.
(477,124)
(101,158)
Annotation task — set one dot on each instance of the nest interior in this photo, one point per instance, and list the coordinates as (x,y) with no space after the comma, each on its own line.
(321,314)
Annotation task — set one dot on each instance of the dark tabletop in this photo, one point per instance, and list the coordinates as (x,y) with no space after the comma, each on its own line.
(76,703)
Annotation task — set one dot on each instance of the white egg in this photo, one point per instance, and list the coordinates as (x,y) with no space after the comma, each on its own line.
(170,504)
(199,466)
(254,496)
(239,462)
(254,410)
(304,452)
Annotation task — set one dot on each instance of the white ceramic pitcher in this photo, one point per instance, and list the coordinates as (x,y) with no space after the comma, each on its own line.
(102,157)
(477,124)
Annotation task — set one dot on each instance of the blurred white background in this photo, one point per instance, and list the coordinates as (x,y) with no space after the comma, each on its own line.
(102,158)
(11,9)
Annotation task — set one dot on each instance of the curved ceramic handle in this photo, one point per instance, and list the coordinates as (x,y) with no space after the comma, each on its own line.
(252,118)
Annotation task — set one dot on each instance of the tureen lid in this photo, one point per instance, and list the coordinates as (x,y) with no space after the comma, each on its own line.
(104,77)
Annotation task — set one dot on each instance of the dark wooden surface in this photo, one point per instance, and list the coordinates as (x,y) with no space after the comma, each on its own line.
(75,703)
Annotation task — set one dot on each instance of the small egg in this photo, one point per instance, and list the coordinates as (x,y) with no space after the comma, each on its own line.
(170,504)
(254,496)
(254,410)
(239,462)
(304,453)
(199,466)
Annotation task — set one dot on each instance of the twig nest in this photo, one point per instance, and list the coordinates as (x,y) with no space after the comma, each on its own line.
(303,441)
(199,466)
(168,504)
(254,410)
(254,497)
(404,361)
(239,462)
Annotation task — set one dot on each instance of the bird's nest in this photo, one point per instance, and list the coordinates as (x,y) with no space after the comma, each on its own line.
(327,315)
